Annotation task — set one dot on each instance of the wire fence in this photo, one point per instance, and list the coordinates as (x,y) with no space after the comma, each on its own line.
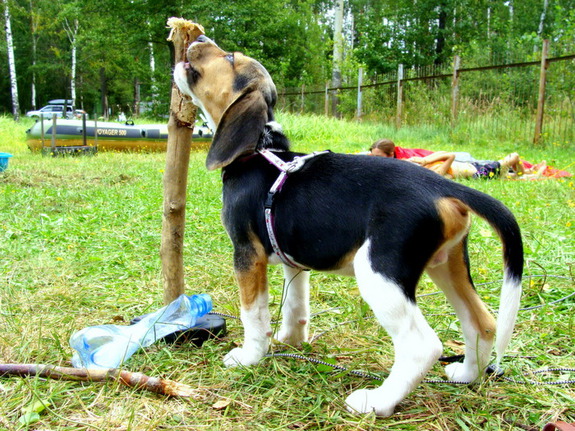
(523,101)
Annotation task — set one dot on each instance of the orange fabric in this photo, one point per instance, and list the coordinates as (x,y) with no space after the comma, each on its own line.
(436,166)
(550,172)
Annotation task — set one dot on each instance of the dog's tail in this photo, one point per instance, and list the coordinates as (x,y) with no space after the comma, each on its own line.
(504,223)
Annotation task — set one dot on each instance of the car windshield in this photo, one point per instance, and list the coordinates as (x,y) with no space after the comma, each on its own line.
(52,109)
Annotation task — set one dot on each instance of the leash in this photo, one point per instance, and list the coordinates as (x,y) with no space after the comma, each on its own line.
(491,370)
(286,168)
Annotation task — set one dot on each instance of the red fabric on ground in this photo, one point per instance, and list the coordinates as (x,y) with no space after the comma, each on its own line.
(406,153)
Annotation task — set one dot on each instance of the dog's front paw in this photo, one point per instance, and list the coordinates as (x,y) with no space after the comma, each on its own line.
(366,401)
(240,356)
(293,336)
(459,372)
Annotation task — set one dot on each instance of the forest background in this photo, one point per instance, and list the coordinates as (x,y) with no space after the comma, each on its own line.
(114,54)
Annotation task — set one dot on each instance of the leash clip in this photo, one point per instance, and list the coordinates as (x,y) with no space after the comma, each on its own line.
(297,163)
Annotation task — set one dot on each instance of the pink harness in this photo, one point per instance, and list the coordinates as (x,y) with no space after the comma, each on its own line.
(286,168)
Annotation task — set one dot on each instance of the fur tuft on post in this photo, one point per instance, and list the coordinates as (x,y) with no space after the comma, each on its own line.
(183,26)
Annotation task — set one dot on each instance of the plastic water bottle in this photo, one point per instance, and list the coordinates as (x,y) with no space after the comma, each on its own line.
(108,346)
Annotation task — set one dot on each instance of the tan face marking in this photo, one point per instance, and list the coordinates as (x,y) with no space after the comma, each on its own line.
(215,78)
(214,69)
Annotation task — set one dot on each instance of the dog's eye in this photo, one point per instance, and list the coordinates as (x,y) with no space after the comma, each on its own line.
(230,58)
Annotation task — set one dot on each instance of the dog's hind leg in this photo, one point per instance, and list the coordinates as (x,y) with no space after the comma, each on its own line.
(449,269)
(250,262)
(417,347)
(295,307)
(477,324)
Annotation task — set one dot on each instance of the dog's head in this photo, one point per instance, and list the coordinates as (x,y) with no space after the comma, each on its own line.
(235,92)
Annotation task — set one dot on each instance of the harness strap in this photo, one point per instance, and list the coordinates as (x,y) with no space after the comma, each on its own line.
(286,168)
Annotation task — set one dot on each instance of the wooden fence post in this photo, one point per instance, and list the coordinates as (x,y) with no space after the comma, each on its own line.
(326,100)
(541,97)
(399,96)
(302,106)
(180,127)
(455,90)
(359,94)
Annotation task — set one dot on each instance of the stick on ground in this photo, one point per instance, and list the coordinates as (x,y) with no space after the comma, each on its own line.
(127,378)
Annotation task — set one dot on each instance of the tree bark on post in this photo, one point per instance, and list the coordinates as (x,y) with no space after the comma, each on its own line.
(399,107)
(455,90)
(326,100)
(180,127)
(541,96)
(359,94)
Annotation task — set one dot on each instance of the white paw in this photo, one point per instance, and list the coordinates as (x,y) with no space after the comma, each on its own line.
(240,356)
(292,336)
(366,401)
(459,372)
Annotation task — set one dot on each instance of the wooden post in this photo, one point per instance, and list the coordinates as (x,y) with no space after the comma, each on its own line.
(399,96)
(455,90)
(302,102)
(84,138)
(54,126)
(359,94)
(541,97)
(96,131)
(326,100)
(42,130)
(180,127)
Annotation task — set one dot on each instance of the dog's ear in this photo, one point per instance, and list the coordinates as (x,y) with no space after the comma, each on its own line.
(239,129)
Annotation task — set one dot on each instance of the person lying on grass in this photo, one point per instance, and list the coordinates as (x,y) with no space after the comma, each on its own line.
(460,164)
(444,163)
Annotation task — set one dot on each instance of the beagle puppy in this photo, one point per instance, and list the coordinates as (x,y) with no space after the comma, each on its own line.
(383,221)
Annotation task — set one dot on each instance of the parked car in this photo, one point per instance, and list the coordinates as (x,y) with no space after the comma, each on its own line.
(78,113)
(56,106)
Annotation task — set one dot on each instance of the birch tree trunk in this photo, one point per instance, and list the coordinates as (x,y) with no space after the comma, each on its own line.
(337,55)
(104,92)
(542,18)
(152,65)
(34,28)
(72,33)
(11,63)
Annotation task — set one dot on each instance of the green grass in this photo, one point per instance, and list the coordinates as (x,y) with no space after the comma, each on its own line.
(79,246)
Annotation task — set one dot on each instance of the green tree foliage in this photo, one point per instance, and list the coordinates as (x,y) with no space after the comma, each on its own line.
(116,39)
(284,36)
